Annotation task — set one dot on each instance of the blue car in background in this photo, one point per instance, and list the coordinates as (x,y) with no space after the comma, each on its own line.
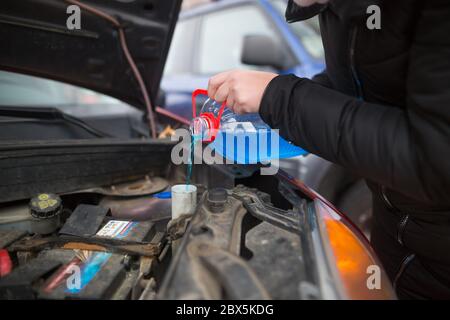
(230,34)
(226,35)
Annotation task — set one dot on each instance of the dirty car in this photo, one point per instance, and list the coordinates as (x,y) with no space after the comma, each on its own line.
(86,214)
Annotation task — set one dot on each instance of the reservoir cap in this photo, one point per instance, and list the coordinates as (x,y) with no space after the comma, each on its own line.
(45,205)
(217,198)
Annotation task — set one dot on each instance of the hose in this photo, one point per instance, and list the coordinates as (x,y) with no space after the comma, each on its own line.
(128,56)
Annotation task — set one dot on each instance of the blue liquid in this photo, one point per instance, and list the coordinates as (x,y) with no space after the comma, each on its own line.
(254,147)
(194,139)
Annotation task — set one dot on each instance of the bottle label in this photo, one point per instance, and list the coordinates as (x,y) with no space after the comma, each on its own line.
(239,127)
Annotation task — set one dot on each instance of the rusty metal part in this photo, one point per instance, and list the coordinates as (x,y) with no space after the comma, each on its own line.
(176,228)
(141,282)
(145,265)
(227,269)
(93,244)
(128,285)
(138,209)
(9,236)
(247,250)
(149,292)
(286,219)
(145,186)
(212,238)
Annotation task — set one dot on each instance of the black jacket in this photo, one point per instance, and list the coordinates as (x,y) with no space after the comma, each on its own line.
(382,107)
(382,110)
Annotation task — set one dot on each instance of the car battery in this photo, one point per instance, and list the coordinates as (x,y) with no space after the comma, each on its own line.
(78,273)
(88,258)
(94,274)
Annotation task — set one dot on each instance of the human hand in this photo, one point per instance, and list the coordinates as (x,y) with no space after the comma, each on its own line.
(242,89)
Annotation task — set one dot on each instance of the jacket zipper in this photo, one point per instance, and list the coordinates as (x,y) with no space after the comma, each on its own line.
(401,228)
(404,219)
(405,263)
(356,81)
(386,200)
(359,93)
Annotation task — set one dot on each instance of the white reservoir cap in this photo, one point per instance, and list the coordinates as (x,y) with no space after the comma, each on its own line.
(184,199)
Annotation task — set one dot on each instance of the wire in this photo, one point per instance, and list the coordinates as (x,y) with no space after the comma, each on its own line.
(128,56)
(172,115)
(49,114)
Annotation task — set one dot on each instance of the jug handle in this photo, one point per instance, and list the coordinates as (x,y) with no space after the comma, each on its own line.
(204,92)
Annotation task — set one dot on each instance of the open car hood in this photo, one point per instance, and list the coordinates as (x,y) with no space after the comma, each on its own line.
(37,41)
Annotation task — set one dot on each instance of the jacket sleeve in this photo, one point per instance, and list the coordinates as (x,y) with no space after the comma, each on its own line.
(322,79)
(405,149)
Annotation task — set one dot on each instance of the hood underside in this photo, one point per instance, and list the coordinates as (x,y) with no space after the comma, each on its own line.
(36,40)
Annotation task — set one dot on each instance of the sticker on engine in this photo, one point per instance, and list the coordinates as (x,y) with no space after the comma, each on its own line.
(116,229)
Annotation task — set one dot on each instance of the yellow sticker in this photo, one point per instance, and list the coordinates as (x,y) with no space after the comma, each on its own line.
(43,204)
(43,196)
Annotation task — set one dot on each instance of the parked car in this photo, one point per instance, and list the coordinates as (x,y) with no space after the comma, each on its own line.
(85,211)
(208,40)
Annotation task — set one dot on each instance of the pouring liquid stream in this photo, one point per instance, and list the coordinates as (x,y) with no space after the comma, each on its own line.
(194,139)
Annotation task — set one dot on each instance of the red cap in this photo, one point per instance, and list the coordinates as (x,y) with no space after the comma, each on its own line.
(212,120)
(5,263)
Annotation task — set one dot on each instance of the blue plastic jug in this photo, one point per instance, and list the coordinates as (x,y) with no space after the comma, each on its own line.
(244,139)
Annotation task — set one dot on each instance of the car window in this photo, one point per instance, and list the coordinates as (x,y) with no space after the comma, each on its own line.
(24,90)
(307,32)
(310,39)
(180,53)
(222,34)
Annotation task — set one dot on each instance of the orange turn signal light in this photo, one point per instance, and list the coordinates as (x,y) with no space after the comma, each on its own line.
(361,275)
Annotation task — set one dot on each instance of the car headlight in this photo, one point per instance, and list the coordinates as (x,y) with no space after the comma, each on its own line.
(356,272)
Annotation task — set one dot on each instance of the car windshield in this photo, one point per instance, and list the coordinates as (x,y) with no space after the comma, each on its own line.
(92,112)
(307,32)
(23,90)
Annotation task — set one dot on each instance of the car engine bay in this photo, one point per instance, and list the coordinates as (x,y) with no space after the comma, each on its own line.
(118,241)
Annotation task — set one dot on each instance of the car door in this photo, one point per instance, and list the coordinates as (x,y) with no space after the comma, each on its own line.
(222,36)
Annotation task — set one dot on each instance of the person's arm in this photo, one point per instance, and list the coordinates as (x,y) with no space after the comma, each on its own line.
(405,149)
(323,79)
